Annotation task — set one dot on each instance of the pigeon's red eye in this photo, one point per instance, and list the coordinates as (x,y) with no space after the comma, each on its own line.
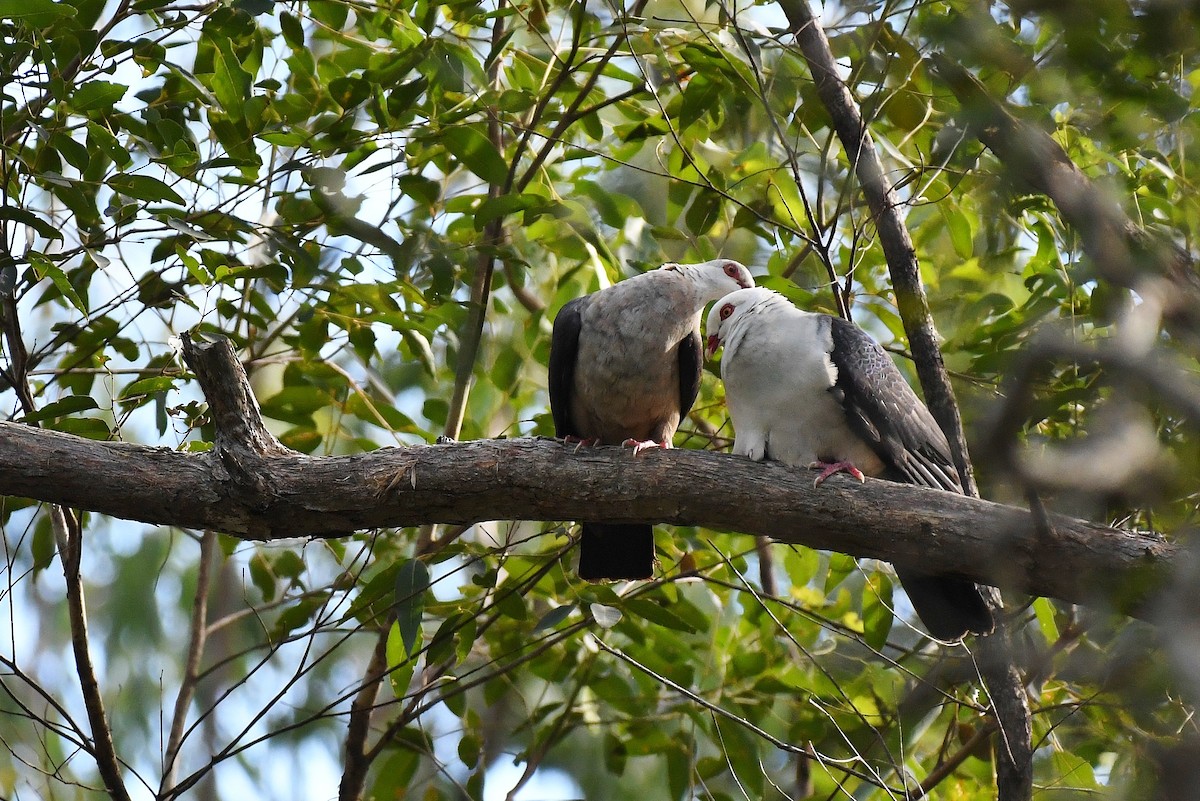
(731,269)
(726,310)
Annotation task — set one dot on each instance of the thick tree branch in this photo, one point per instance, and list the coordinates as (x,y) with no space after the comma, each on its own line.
(277,494)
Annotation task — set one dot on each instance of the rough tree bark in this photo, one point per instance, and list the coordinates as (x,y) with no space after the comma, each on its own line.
(250,486)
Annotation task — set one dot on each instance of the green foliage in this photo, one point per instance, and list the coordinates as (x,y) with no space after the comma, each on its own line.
(323,182)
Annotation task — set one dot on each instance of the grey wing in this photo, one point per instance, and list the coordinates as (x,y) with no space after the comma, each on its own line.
(564,350)
(884,411)
(690,368)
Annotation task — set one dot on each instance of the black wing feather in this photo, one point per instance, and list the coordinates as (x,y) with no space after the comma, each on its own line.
(690,368)
(885,412)
(564,349)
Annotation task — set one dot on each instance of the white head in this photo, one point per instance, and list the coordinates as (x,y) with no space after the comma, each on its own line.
(730,312)
(714,278)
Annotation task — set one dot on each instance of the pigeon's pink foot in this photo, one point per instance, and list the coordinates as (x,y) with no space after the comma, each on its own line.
(640,445)
(583,442)
(829,468)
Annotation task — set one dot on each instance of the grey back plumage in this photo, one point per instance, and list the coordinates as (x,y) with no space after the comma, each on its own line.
(886,413)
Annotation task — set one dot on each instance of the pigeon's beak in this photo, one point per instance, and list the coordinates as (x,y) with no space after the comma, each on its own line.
(710,349)
(744,284)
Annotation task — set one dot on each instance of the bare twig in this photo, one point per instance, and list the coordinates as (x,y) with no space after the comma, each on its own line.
(893,235)
(191,669)
(485,265)
(70,544)
(68,536)
(354,772)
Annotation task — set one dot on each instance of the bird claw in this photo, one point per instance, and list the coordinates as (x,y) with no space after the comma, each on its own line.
(583,442)
(640,445)
(829,468)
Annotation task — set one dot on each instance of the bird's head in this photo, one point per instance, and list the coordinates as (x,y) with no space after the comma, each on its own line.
(715,278)
(728,311)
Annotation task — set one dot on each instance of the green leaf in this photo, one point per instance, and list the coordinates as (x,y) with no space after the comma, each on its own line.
(35,222)
(397,771)
(840,566)
(1044,610)
(349,92)
(475,152)
(704,211)
(877,610)
(555,616)
(230,83)
(44,548)
(292,30)
(44,268)
(36,13)
(659,615)
(960,230)
(72,404)
(97,96)
(87,427)
(143,187)
(298,615)
(401,662)
(504,205)
(261,575)
(147,386)
(412,580)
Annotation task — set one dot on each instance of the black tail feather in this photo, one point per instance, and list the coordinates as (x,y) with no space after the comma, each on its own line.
(950,607)
(613,551)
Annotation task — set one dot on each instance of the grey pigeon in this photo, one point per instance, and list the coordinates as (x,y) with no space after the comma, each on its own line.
(814,390)
(625,369)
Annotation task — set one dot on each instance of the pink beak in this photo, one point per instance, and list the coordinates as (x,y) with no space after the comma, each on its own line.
(710,349)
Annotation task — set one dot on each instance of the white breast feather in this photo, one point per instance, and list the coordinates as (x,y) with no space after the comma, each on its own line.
(778,377)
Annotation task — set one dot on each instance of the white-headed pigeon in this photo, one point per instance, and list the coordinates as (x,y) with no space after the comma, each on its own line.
(815,390)
(625,368)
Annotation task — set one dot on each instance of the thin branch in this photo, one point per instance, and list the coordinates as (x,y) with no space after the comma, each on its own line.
(70,544)
(885,209)
(946,768)
(485,265)
(354,774)
(191,668)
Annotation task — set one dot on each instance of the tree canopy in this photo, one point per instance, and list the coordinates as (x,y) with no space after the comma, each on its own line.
(383,206)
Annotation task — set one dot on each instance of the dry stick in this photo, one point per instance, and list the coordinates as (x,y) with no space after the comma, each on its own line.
(358,758)
(69,537)
(191,671)
(1014,766)
(893,235)
(354,773)
(481,282)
